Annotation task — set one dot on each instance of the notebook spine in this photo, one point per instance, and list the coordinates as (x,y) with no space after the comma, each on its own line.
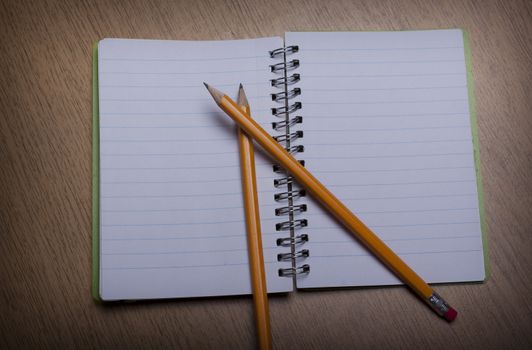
(286,122)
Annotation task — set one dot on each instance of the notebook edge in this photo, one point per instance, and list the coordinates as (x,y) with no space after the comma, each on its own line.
(476,151)
(95,179)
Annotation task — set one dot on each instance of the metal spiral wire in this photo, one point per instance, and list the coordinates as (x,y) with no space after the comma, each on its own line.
(287,139)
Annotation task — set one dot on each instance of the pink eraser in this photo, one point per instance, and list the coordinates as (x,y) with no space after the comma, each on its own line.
(450,315)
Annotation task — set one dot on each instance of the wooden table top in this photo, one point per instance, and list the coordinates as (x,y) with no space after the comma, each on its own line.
(45,183)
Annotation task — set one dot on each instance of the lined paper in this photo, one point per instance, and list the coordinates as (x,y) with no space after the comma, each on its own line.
(387,129)
(172,217)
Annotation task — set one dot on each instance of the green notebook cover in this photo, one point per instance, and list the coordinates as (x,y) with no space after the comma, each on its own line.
(476,150)
(96,167)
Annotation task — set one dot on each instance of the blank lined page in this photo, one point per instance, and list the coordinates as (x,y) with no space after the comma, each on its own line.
(172,216)
(387,129)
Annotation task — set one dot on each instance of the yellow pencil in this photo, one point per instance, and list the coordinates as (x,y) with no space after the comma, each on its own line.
(251,205)
(334,206)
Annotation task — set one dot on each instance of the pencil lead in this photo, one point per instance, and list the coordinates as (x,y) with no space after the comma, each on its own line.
(216,94)
(242,98)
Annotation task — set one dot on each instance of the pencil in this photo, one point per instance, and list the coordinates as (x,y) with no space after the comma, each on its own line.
(356,227)
(251,205)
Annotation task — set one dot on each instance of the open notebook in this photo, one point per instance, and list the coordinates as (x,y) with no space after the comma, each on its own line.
(381,118)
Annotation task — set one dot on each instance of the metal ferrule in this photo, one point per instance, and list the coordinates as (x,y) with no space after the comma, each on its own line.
(438,304)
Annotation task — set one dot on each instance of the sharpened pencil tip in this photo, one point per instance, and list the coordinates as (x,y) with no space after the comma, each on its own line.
(242,98)
(216,94)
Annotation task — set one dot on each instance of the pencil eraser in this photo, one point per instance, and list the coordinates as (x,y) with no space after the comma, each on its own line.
(450,315)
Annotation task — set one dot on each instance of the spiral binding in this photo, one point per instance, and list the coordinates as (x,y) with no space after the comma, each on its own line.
(286,95)
(289,241)
(287,138)
(282,81)
(293,271)
(291,209)
(292,137)
(286,110)
(289,256)
(288,195)
(284,66)
(284,124)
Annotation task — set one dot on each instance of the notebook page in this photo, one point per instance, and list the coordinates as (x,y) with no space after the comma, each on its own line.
(387,130)
(172,217)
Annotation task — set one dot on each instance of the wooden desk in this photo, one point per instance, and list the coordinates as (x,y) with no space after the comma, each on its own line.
(45,186)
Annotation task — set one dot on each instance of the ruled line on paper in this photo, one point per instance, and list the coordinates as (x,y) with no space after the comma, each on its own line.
(386,115)
(126,59)
(163,154)
(168,182)
(276,205)
(404,225)
(147,114)
(371,156)
(384,102)
(381,62)
(162,86)
(185,195)
(185,73)
(179,182)
(381,156)
(407,169)
(175,113)
(392,129)
(388,183)
(159,126)
(184,252)
(314,242)
(205,222)
(231,166)
(182,267)
(172,238)
(398,211)
(167,154)
(167,140)
(332,49)
(328,76)
(408,197)
(400,253)
(266,177)
(386,89)
(201,99)
(316,144)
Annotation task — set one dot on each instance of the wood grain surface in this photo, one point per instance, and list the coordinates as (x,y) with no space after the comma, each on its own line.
(45,183)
